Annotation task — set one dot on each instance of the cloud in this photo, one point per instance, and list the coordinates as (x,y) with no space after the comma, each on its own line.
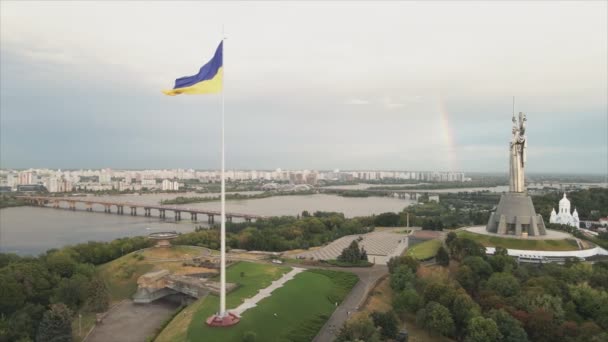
(357,102)
(303,96)
(388,103)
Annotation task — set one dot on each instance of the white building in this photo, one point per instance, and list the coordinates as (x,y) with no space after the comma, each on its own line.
(148,182)
(168,185)
(52,185)
(564,216)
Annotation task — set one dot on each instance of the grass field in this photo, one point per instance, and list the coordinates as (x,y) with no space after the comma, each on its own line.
(301,306)
(425,250)
(256,277)
(533,245)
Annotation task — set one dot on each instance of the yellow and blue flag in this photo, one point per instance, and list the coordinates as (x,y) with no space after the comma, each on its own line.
(208,80)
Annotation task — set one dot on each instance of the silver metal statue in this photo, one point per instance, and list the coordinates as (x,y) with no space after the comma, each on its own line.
(517,158)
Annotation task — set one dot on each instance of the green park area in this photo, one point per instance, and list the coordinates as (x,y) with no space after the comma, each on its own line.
(424,250)
(532,245)
(294,312)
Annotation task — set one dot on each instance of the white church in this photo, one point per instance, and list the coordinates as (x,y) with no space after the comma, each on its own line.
(564,216)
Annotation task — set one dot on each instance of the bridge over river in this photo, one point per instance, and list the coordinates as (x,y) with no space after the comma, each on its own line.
(118,208)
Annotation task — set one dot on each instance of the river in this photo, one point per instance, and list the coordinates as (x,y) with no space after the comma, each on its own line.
(33,230)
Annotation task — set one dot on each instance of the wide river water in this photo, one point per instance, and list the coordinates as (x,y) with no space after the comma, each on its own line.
(33,230)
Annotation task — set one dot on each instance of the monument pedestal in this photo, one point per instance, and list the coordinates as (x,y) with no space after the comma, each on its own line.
(515,215)
(229,319)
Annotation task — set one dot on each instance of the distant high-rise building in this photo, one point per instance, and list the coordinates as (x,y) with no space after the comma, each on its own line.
(26,178)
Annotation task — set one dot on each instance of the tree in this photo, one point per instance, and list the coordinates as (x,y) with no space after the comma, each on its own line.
(61,263)
(440,292)
(502,263)
(588,300)
(402,278)
(501,251)
(541,326)
(387,322)
(359,329)
(436,318)
(467,279)
(407,300)
(408,261)
(547,303)
(11,293)
(450,238)
(442,257)
(463,247)
(98,298)
(479,266)
(71,292)
(352,253)
(464,309)
(56,325)
(387,220)
(509,327)
(505,284)
(482,330)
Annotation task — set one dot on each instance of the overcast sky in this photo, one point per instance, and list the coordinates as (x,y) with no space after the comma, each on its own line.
(360,85)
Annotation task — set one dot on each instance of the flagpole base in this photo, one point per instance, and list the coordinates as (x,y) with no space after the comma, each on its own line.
(228,320)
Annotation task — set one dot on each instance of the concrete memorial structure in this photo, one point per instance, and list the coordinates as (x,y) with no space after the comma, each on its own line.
(163,239)
(515,214)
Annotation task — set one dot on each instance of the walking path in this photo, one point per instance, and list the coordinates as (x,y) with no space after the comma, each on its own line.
(266,292)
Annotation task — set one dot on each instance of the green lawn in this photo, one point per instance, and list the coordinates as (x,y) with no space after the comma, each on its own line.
(121,276)
(533,245)
(301,306)
(425,250)
(256,277)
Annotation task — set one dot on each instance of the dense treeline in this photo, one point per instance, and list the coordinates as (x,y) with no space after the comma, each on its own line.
(493,298)
(236,196)
(39,296)
(591,204)
(281,233)
(480,183)
(451,212)
(7,201)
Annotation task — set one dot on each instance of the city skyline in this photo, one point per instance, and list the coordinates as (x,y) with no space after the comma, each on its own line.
(398,92)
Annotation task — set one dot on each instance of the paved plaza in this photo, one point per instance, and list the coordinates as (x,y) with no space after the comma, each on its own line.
(130,322)
(380,246)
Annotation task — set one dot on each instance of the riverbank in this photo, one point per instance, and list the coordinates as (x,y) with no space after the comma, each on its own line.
(10,201)
(237,196)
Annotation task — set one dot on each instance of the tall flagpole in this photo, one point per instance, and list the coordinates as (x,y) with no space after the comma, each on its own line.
(223,200)
(223,318)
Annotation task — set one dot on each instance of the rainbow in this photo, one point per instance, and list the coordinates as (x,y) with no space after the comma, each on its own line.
(448,136)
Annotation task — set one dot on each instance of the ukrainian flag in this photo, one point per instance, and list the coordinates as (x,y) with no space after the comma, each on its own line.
(208,80)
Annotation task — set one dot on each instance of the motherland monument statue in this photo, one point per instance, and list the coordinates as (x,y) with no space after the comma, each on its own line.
(515,214)
(519,144)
